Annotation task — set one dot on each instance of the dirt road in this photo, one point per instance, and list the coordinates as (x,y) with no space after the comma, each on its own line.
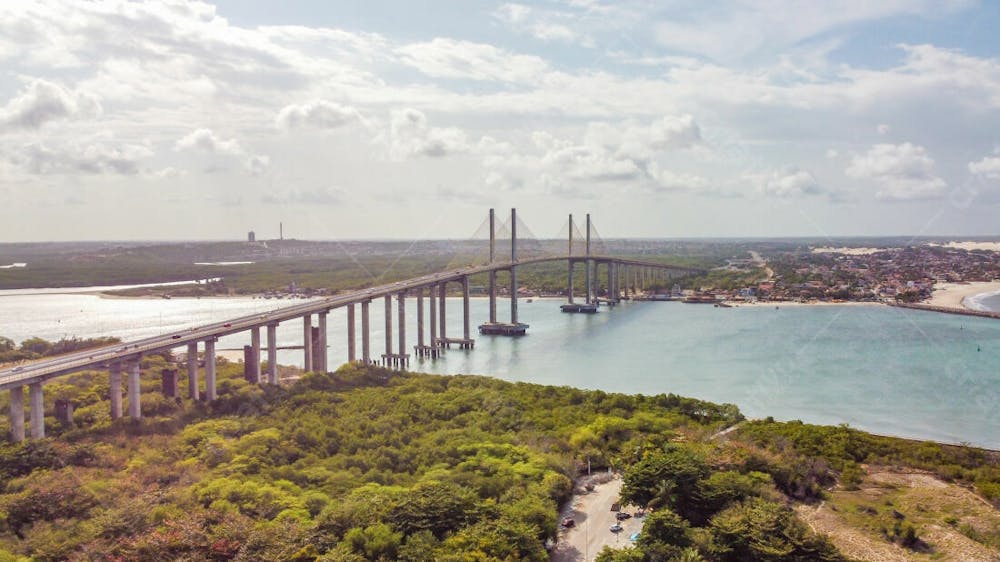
(594,518)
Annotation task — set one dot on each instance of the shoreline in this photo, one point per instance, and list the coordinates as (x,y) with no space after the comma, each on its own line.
(955,295)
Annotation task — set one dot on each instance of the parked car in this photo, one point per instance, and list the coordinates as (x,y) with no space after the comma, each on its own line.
(617,528)
(568,522)
(622,515)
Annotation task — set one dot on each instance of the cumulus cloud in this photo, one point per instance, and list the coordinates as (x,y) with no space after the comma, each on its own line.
(42,159)
(206,142)
(410,135)
(902,172)
(451,58)
(789,181)
(988,167)
(320,114)
(42,102)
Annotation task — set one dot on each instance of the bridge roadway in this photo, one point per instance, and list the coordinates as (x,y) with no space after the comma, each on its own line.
(102,357)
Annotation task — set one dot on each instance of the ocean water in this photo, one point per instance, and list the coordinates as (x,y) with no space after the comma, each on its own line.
(986,301)
(887,370)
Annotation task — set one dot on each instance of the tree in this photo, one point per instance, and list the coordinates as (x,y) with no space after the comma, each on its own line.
(667,478)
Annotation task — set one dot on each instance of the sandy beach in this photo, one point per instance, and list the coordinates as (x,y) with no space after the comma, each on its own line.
(988,246)
(850,251)
(953,295)
(807,303)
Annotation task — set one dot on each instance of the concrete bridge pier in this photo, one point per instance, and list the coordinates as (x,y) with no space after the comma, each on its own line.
(307,351)
(611,285)
(493,273)
(366,355)
(403,360)
(569,282)
(168,383)
(192,371)
(254,372)
(16,413)
(420,321)
(322,351)
(272,353)
(432,315)
(387,356)
(442,315)
(465,309)
(350,334)
(64,412)
(115,382)
(210,392)
(36,401)
(134,407)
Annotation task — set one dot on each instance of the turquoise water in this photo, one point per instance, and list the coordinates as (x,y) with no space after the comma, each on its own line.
(886,370)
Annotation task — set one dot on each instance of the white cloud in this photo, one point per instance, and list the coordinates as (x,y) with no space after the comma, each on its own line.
(204,140)
(43,101)
(451,58)
(988,167)
(789,181)
(320,114)
(903,172)
(410,135)
(42,159)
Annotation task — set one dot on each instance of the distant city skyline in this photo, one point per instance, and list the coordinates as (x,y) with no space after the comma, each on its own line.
(177,120)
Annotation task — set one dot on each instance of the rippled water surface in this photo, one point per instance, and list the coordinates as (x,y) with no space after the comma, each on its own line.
(887,370)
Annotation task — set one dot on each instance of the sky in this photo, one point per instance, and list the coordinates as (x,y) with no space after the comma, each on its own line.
(188,120)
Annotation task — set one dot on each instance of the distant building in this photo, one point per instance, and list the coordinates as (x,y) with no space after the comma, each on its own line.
(251,237)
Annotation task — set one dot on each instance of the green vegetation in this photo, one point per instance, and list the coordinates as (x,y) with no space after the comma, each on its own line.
(36,348)
(842,448)
(357,464)
(369,464)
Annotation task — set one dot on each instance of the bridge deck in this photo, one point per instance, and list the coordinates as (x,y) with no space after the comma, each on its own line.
(102,357)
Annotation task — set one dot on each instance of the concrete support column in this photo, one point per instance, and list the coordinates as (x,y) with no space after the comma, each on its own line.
(466,329)
(432,311)
(401,304)
(192,371)
(513,268)
(366,354)
(64,412)
(569,283)
(255,345)
(493,297)
(314,338)
(17,413)
(36,400)
(272,353)
(611,285)
(350,333)
(388,325)
(168,383)
(493,273)
(210,392)
(420,318)
(322,354)
(134,407)
(115,382)
(307,343)
(442,317)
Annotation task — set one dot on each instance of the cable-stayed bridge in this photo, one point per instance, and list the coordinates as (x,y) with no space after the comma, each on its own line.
(623,275)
